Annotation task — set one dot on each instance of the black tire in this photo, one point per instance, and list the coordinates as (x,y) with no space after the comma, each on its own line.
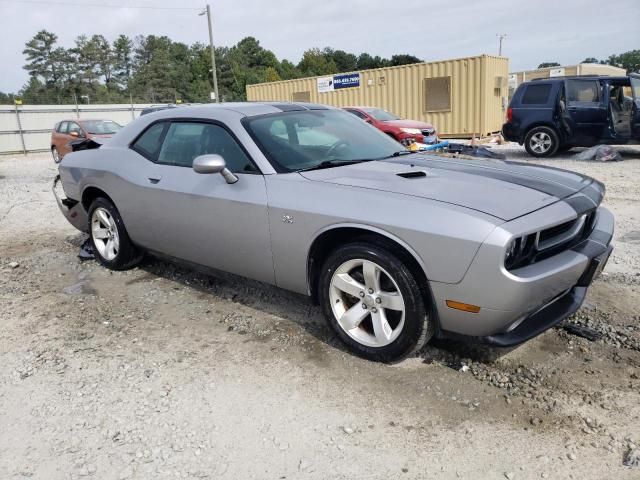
(535,142)
(128,255)
(418,326)
(56,155)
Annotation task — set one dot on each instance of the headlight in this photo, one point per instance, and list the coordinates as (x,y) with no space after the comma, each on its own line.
(411,131)
(519,251)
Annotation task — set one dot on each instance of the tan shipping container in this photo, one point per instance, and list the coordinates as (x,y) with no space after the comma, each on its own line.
(516,78)
(459,97)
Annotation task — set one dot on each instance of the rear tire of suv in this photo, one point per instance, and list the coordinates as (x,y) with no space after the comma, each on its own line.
(541,142)
(55,155)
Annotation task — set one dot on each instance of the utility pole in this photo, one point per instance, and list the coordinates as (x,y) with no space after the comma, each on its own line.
(213,52)
(501,36)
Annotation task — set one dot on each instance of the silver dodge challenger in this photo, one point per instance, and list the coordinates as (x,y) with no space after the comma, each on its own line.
(395,246)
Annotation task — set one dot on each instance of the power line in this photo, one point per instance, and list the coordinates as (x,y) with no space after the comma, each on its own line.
(97,5)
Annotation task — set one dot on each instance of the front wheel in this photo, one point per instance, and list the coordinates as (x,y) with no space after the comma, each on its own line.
(541,142)
(373,302)
(112,246)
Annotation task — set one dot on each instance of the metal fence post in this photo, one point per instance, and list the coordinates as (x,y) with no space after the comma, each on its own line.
(75,100)
(24,148)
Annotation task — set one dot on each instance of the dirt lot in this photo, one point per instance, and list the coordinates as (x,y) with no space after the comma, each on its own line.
(161,372)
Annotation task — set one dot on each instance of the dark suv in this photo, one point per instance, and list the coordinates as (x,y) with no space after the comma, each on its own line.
(555,114)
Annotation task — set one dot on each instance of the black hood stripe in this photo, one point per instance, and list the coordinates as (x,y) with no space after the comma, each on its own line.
(545,186)
(580,203)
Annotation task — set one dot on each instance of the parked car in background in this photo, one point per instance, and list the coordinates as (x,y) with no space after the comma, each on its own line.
(555,114)
(69,130)
(395,246)
(404,131)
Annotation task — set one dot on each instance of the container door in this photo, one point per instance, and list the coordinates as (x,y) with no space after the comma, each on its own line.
(635,108)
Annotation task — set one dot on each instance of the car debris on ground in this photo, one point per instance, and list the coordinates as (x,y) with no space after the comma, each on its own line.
(600,153)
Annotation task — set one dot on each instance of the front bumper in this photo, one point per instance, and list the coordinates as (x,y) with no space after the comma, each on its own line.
(519,305)
(72,210)
(418,138)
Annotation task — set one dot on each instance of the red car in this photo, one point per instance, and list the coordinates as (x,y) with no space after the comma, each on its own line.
(404,131)
(69,130)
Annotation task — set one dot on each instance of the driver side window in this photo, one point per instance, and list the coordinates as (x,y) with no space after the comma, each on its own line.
(185,141)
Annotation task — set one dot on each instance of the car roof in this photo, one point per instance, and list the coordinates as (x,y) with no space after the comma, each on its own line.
(247,109)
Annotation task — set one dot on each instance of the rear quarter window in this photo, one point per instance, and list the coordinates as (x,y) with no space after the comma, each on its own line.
(148,144)
(536,94)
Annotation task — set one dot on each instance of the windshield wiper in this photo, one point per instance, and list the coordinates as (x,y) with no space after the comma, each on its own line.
(331,164)
(401,152)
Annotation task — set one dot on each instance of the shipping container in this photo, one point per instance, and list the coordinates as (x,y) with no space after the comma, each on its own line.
(516,78)
(460,97)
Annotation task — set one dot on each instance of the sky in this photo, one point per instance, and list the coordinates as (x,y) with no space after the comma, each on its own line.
(564,31)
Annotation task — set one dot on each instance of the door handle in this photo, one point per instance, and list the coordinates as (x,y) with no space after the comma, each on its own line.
(154,180)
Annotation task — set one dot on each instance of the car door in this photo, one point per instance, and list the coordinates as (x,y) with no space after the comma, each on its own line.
(201,218)
(635,107)
(59,137)
(587,111)
(68,136)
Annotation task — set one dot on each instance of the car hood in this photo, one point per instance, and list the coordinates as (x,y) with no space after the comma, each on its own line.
(408,124)
(502,189)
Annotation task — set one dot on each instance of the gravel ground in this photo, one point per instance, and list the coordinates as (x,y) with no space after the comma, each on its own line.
(161,372)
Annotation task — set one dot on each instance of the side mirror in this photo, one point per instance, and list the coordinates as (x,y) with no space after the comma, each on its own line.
(74,133)
(213,163)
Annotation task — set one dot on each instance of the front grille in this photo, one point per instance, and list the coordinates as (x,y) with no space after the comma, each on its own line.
(553,232)
(554,240)
(562,237)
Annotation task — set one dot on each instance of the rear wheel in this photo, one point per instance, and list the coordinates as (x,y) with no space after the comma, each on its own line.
(373,302)
(541,142)
(111,243)
(55,155)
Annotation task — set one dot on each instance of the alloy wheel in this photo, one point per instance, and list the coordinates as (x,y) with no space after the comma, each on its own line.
(105,233)
(540,142)
(366,303)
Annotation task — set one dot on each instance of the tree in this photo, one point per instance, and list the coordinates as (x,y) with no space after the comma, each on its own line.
(403,59)
(271,75)
(630,61)
(590,60)
(43,57)
(288,70)
(345,62)
(122,61)
(6,98)
(548,64)
(316,62)
(367,62)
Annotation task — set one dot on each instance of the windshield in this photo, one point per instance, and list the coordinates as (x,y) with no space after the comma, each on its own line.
(101,127)
(381,115)
(303,140)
